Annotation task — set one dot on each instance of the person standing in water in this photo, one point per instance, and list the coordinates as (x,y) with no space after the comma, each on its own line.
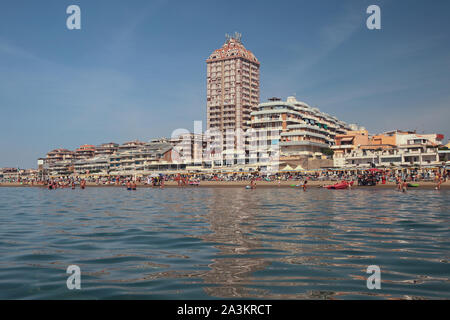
(399,183)
(439,182)
(83,184)
(404,185)
(304,185)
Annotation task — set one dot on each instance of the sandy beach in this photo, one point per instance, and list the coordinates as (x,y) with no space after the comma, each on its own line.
(241,184)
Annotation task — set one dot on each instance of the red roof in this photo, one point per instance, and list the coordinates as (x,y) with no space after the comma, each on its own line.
(232,48)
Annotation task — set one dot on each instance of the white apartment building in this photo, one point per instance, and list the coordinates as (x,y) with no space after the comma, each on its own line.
(294,127)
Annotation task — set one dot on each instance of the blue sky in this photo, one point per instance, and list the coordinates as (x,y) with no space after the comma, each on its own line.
(136,69)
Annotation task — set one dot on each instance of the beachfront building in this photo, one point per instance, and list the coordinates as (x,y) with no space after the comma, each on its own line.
(58,155)
(293,127)
(444,157)
(344,144)
(129,157)
(17,175)
(9,174)
(143,159)
(130,145)
(232,90)
(106,149)
(57,162)
(392,148)
(402,156)
(396,148)
(85,151)
(92,165)
(189,148)
(60,168)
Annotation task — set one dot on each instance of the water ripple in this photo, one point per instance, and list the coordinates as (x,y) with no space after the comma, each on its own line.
(197,243)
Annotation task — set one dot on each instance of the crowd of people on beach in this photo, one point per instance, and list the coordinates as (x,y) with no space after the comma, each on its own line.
(370,177)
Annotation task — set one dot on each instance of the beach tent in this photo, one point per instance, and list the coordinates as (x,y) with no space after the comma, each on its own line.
(287,168)
(299,168)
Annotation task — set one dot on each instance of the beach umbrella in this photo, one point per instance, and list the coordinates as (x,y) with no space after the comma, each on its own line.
(287,168)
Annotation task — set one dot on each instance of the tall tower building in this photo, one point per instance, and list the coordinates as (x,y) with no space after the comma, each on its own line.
(232,86)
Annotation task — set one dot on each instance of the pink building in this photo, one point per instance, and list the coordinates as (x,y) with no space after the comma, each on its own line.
(232,86)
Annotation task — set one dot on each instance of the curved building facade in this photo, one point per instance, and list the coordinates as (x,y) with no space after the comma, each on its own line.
(298,128)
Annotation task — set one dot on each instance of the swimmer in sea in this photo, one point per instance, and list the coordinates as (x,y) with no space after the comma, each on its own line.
(399,184)
(404,186)
(439,182)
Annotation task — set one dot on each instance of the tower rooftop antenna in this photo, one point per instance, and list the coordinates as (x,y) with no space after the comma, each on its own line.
(238,37)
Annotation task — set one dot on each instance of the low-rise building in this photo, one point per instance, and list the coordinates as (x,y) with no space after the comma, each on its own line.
(60,168)
(59,155)
(415,151)
(92,165)
(346,143)
(146,158)
(106,149)
(85,151)
(9,174)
